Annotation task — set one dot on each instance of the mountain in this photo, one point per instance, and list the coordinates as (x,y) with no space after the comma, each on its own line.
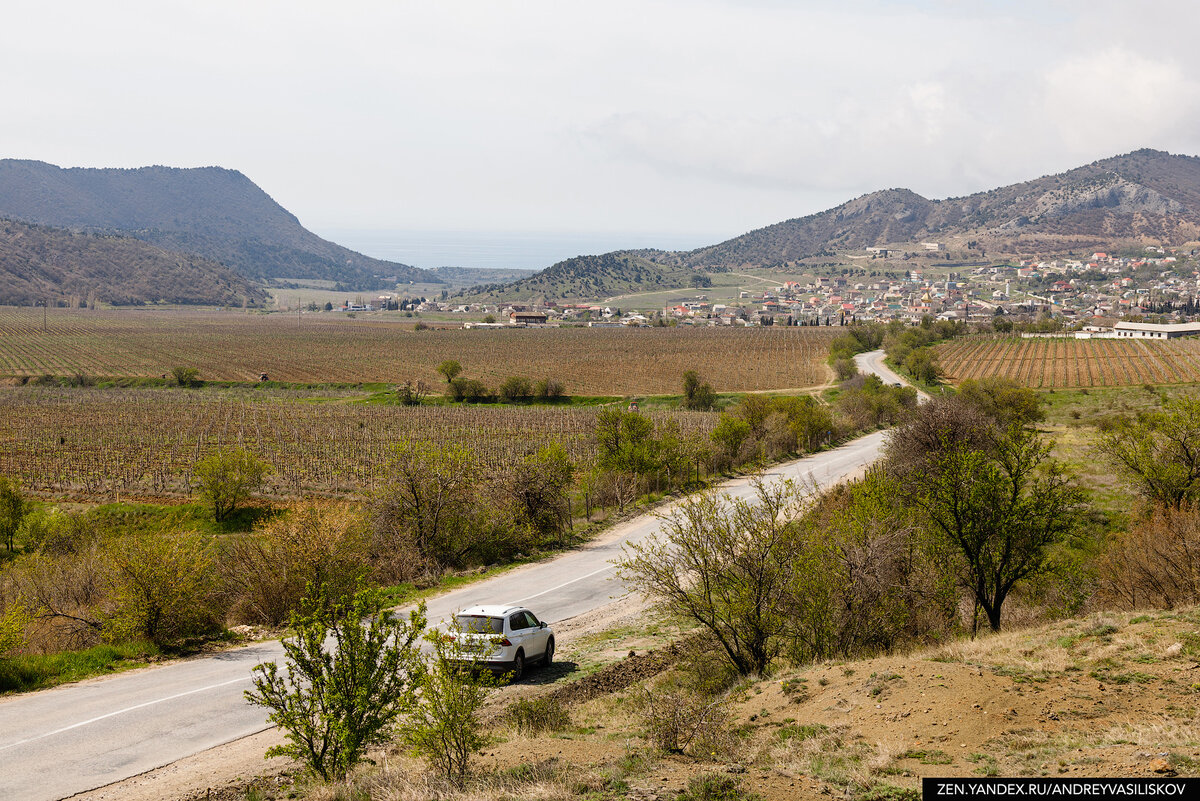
(601,276)
(1144,195)
(209,211)
(39,263)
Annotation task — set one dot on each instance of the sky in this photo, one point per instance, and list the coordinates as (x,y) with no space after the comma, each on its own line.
(677,119)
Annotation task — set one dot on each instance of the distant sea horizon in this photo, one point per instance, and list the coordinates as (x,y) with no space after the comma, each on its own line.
(523,250)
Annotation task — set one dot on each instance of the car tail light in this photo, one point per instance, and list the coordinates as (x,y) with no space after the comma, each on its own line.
(502,641)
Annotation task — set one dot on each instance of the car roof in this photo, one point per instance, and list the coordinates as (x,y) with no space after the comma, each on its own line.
(491,610)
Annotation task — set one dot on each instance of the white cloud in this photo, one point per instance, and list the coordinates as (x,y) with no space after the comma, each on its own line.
(696,115)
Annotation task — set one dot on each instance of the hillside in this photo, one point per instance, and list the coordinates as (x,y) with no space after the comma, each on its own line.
(38,263)
(593,277)
(209,211)
(1147,195)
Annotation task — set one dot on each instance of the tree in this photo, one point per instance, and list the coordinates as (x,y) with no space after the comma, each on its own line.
(427,505)
(161,587)
(1159,452)
(228,477)
(1003,399)
(338,700)
(444,728)
(516,389)
(993,502)
(538,488)
(626,441)
(13,509)
(185,376)
(697,395)
(450,369)
(725,563)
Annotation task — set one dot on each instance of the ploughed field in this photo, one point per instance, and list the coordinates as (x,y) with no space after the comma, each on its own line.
(143,443)
(330,347)
(1051,363)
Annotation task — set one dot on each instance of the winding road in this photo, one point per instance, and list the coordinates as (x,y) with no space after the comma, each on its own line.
(79,737)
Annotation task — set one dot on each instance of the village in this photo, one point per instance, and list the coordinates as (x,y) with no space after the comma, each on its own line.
(1157,292)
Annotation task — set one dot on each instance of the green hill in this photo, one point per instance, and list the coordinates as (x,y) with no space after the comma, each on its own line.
(39,263)
(209,211)
(593,277)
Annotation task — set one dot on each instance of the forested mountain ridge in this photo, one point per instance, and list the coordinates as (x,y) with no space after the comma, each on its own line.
(209,211)
(39,264)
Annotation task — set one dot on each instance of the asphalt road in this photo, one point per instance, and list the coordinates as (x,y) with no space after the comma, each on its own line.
(63,741)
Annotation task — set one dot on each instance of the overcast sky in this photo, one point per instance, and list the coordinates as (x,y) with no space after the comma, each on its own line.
(696,117)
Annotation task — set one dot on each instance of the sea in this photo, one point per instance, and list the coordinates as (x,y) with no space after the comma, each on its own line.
(522,250)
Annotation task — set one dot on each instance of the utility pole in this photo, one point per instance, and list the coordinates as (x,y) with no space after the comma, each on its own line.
(45,310)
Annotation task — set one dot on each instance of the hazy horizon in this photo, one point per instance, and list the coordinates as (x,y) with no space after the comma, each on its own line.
(526,250)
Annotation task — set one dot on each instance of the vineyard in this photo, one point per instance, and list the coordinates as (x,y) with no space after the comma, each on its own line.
(1053,363)
(142,443)
(327,347)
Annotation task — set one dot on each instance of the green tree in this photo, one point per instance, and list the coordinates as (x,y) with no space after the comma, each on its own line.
(995,511)
(13,509)
(338,700)
(228,477)
(1003,399)
(185,376)
(161,587)
(922,365)
(1158,453)
(724,563)
(539,488)
(449,369)
(626,441)
(444,728)
(697,395)
(729,434)
(516,389)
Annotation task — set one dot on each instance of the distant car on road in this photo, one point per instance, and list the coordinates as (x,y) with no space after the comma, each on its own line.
(502,638)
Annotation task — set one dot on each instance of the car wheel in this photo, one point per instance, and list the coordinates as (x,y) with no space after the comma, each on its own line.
(549,652)
(518,666)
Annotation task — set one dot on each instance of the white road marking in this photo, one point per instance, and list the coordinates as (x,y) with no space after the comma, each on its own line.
(565,584)
(123,711)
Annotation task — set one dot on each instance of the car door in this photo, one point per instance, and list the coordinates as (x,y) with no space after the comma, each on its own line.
(538,636)
(519,637)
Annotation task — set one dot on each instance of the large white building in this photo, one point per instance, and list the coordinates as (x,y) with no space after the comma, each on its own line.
(1155,330)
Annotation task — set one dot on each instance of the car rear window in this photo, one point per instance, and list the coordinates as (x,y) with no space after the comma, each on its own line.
(480,624)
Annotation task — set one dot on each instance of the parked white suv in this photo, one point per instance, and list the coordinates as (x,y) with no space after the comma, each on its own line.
(502,638)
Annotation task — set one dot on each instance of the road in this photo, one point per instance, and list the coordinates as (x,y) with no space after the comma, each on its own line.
(63,741)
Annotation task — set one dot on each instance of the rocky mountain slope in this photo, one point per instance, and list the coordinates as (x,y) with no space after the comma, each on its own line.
(208,211)
(39,264)
(1147,194)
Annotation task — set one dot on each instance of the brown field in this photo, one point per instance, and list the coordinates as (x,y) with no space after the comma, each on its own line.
(322,347)
(1054,363)
(142,443)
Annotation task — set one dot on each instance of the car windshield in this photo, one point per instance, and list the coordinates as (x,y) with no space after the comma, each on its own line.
(480,624)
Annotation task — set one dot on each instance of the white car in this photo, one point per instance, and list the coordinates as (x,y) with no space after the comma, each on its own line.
(503,638)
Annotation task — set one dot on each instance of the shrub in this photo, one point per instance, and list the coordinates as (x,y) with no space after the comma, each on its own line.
(186,376)
(538,715)
(336,702)
(674,721)
(516,389)
(444,728)
(227,478)
(268,571)
(711,787)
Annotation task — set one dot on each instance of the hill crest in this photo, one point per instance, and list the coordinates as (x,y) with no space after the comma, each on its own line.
(214,212)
